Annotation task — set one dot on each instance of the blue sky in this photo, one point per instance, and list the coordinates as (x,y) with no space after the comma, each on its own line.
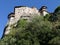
(7,6)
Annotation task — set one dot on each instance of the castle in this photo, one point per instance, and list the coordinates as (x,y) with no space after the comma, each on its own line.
(23,12)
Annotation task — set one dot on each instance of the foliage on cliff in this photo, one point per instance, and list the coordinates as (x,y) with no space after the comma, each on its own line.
(40,31)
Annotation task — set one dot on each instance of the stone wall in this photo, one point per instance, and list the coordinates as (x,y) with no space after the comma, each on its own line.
(25,13)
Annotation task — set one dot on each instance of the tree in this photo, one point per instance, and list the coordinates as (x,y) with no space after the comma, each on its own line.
(55,41)
(36,32)
(57,12)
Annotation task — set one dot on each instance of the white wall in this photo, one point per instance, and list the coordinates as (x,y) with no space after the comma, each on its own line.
(44,13)
(26,11)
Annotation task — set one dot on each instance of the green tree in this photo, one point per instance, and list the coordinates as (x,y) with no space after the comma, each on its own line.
(36,32)
(57,12)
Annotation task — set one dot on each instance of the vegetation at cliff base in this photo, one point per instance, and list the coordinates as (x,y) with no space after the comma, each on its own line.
(43,30)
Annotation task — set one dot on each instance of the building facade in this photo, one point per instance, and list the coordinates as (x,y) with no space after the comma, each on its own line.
(23,12)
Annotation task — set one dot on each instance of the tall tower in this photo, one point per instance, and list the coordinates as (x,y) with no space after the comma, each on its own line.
(11,18)
(43,10)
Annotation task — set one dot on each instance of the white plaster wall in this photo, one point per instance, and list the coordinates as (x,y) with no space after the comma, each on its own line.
(26,11)
(11,20)
(44,13)
(7,30)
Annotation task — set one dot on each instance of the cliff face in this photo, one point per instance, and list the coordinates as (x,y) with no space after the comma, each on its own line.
(25,13)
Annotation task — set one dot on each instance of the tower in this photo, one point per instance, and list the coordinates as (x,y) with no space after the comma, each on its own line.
(11,18)
(43,10)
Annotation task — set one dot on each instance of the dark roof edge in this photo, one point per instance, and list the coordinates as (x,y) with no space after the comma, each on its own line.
(19,6)
(11,13)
